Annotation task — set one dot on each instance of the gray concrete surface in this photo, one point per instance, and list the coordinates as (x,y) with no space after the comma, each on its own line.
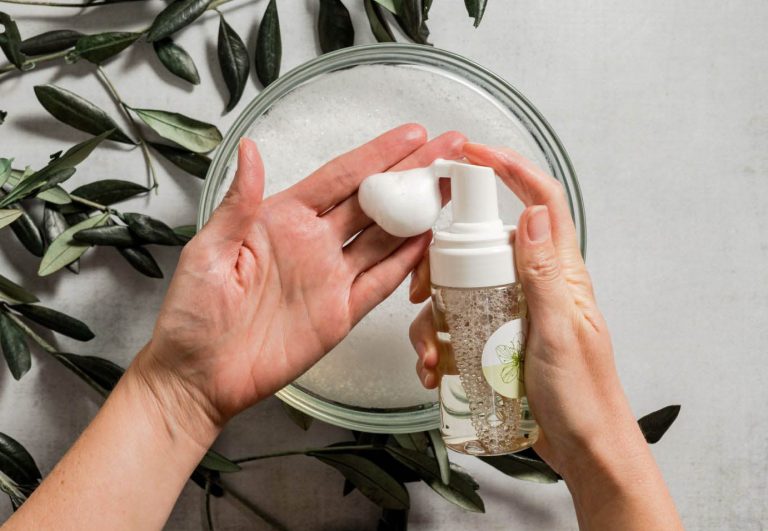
(663,107)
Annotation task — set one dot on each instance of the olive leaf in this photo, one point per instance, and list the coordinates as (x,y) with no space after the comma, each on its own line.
(50,42)
(56,195)
(461,489)
(12,292)
(115,235)
(75,111)
(55,320)
(14,346)
(233,60)
(192,134)
(524,468)
(5,170)
(102,46)
(64,250)
(393,6)
(55,178)
(19,474)
(104,192)
(192,163)
(370,479)
(176,60)
(412,21)
(99,373)
(141,260)
(185,232)
(655,425)
(301,419)
(441,455)
(334,26)
(176,15)
(269,47)
(8,216)
(27,232)
(151,230)
(10,41)
(3,116)
(393,520)
(476,9)
(379,24)
(215,461)
(54,224)
(412,441)
(74,156)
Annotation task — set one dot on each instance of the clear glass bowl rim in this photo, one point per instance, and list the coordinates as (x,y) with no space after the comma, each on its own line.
(426,416)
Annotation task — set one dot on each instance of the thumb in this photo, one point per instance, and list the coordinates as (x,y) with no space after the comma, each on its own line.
(232,219)
(546,291)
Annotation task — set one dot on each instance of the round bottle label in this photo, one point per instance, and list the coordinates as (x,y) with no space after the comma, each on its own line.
(503,359)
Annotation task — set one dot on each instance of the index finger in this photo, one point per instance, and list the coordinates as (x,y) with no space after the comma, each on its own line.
(533,186)
(340,178)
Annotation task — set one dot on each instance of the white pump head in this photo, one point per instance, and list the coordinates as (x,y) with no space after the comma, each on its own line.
(475,250)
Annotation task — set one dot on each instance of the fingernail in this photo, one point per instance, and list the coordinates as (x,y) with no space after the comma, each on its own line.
(538,224)
(414,284)
(429,380)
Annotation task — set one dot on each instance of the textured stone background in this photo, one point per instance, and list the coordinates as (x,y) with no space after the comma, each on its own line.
(661,105)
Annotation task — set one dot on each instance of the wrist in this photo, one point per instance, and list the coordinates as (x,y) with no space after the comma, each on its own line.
(180,411)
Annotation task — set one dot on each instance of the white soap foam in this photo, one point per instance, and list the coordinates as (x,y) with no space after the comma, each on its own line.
(374,366)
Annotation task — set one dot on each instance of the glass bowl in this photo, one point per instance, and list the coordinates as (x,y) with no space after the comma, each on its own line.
(335,102)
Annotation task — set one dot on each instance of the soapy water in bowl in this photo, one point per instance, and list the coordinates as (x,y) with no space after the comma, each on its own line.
(374,366)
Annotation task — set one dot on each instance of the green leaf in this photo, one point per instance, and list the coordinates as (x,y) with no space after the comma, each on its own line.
(101,374)
(64,250)
(71,109)
(177,15)
(27,232)
(176,60)
(10,41)
(8,216)
(411,20)
(234,62)
(370,479)
(655,425)
(104,192)
(14,346)
(476,9)
(56,321)
(334,26)
(441,455)
(116,235)
(461,489)
(5,170)
(19,474)
(522,468)
(141,260)
(393,520)
(151,230)
(56,195)
(50,42)
(12,292)
(3,116)
(301,419)
(74,156)
(393,6)
(185,232)
(378,22)
(55,178)
(269,46)
(413,441)
(102,46)
(192,163)
(213,460)
(54,224)
(192,134)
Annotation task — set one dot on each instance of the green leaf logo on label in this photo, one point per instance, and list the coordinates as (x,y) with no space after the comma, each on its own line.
(503,359)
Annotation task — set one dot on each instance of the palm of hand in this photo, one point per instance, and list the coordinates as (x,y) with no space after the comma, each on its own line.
(268,287)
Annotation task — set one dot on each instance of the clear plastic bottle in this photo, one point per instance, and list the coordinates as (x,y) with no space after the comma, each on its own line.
(476,418)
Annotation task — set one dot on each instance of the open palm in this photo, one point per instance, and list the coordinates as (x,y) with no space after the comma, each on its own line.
(269,286)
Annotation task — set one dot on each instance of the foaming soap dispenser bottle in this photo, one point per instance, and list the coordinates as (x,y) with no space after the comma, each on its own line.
(478,305)
(479,312)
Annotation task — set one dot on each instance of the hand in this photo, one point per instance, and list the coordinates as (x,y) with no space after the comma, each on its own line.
(570,377)
(268,286)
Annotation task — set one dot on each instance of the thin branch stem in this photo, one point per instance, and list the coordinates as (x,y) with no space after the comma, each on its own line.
(245,503)
(31,63)
(126,111)
(207,505)
(306,451)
